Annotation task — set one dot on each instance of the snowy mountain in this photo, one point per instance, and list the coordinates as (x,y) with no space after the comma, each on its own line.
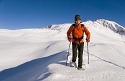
(59,27)
(102,22)
(112,25)
(40,54)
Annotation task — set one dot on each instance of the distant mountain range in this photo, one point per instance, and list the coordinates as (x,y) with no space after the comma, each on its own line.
(99,23)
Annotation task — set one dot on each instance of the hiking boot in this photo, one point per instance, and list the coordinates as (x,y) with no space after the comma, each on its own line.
(80,68)
(72,64)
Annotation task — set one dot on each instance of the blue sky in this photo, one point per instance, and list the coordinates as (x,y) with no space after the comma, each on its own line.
(18,14)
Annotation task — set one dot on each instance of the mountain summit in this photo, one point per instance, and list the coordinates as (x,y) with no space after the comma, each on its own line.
(112,25)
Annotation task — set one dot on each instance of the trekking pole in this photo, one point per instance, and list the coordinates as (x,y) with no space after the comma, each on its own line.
(68,53)
(88,52)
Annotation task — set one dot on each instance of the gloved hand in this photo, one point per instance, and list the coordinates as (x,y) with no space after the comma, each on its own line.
(87,39)
(70,39)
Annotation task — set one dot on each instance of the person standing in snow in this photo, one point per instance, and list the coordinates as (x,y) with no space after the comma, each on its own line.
(75,35)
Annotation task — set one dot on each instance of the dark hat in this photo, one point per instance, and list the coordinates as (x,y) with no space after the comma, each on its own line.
(77,17)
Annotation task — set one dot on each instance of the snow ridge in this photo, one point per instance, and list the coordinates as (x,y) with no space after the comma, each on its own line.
(112,25)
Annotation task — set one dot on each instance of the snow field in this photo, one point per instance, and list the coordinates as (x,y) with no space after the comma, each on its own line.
(40,55)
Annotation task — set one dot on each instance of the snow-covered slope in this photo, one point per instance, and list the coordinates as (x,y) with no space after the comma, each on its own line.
(40,54)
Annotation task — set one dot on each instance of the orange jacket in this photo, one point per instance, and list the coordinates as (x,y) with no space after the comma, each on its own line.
(77,32)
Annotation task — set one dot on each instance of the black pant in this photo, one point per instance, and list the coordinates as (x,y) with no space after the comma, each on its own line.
(78,47)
